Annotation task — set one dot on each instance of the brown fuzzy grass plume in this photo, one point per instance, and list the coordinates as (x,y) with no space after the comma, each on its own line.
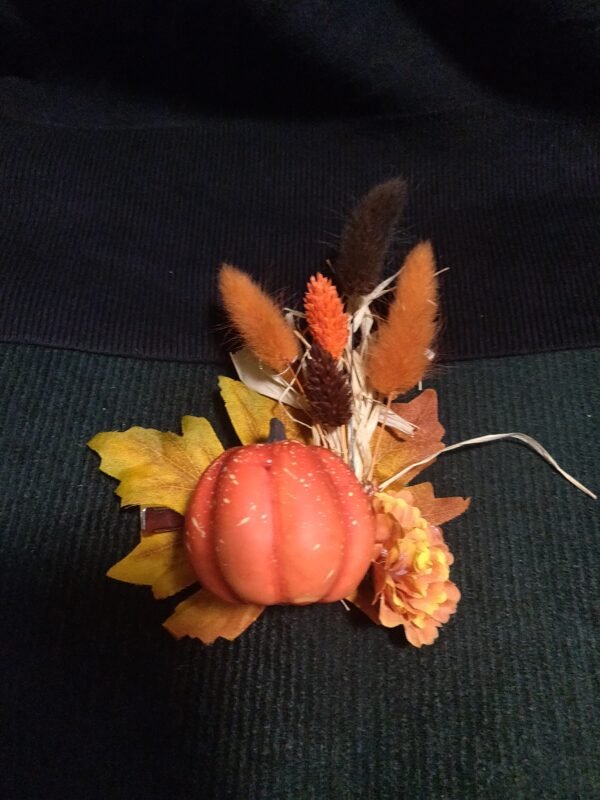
(257,319)
(367,237)
(397,360)
(327,389)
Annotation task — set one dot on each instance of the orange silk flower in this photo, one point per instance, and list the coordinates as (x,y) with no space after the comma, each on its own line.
(411,571)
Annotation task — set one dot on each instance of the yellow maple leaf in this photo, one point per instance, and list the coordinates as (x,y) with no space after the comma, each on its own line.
(157,468)
(160,561)
(250,413)
(206,617)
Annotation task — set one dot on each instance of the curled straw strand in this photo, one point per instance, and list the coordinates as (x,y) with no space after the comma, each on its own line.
(367,237)
(257,319)
(325,315)
(397,360)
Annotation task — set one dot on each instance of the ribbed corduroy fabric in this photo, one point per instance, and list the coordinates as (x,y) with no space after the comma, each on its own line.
(111,237)
(99,702)
(141,144)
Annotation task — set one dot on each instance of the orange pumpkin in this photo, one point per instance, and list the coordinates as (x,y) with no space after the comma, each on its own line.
(279,522)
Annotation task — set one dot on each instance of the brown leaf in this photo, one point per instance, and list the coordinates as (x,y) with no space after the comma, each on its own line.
(422,411)
(437,510)
(362,598)
(204,616)
(398,451)
(375,609)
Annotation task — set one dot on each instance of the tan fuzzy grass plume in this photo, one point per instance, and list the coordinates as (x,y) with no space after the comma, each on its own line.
(397,359)
(257,319)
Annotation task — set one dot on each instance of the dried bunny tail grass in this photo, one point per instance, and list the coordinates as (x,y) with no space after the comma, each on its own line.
(327,389)
(325,315)
(397,359)
(367,236)
(257,319)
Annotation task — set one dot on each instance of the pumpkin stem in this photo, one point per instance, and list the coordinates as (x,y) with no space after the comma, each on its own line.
(276,431)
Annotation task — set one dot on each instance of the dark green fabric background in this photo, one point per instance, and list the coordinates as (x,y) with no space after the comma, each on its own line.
(311,702)
(142,143)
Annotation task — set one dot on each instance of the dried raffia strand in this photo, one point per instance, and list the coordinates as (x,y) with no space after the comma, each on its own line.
(325,315)
(377,448)
(257,319)
(367,237)
(365,412)
(397,359)
(327,389)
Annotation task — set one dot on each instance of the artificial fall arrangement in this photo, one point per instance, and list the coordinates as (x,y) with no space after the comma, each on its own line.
(317,504)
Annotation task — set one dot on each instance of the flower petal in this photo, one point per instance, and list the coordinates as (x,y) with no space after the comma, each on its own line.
(420,636)
(390,618)
(411,576)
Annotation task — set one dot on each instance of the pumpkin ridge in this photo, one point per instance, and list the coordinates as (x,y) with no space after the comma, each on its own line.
(212,527)
(343,516)
(347,518)
(278,580)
